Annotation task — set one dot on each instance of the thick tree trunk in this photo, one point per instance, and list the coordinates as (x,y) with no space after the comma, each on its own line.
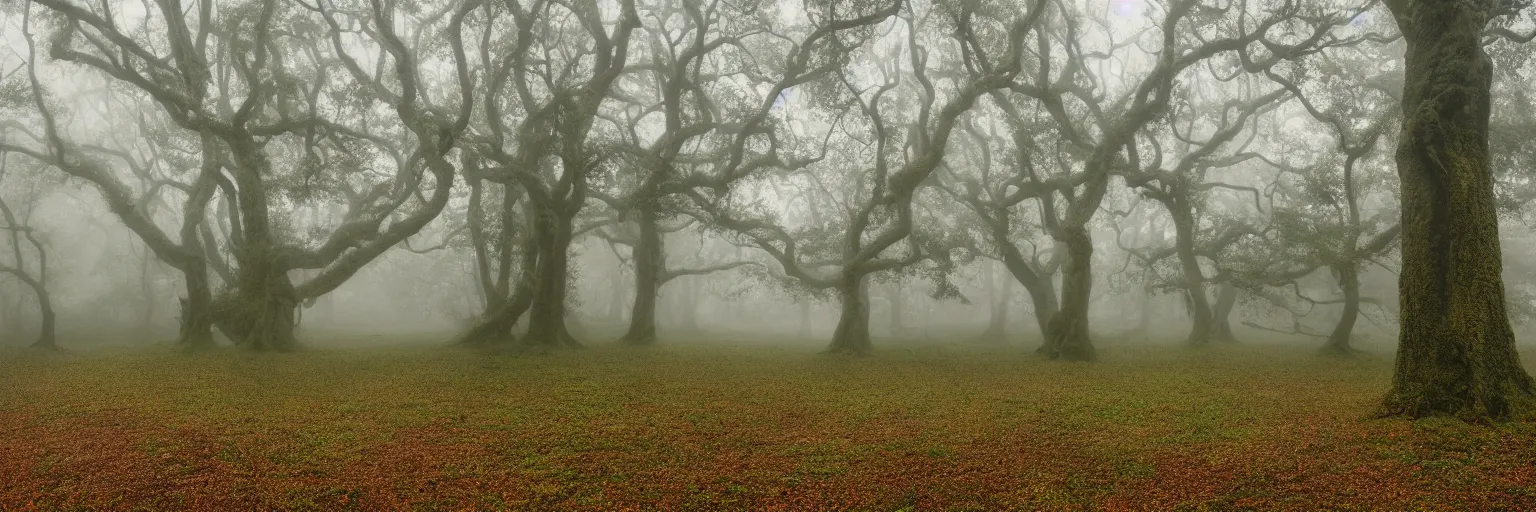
(546,323)
(1040,288)
(650,261)
(852,334)
(496,326)
(260,313)
(503,312)
(1349,281)
(1456,352)
(197,310)
(1067,333)
(1226,298)
(1194,281)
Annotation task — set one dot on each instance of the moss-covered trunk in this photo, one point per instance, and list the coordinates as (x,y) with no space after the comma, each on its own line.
(1226,298)
(649,261)
(1193,281)
(1067,333)
(259,313)
(852,334)
(1456,352)
(1349,281)
(197,309)
(46,337)
(496,325)
(546,323)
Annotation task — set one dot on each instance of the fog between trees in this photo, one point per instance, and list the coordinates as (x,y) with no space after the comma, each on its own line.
(557,173)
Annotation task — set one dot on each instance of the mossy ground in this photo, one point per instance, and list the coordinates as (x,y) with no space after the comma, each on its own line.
(680,427)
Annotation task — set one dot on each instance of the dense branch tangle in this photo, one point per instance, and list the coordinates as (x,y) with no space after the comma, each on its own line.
(267,100)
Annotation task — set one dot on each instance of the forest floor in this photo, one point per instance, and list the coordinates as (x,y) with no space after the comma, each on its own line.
(680,427)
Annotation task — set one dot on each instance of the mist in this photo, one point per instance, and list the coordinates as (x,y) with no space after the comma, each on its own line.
(375,204)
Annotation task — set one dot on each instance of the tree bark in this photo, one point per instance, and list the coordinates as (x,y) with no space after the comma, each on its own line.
(1041,291)
(1226,298)
(1067,332)
(1456,352)
(546,324)
(852,334)
(1349,281)
(46,329)
(496,326)
(259,313)
(650,261)
(196,310)
(1194,281)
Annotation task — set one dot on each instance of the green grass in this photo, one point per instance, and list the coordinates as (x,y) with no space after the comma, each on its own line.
(735,427)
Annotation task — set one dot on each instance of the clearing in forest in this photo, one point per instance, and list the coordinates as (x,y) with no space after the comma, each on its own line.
(681,427)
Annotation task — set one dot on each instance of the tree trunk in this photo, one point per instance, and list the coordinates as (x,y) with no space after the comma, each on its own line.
(259,313)
(1043,295)
(1194,281)
(45,333)
(1226,298)
(1067,332)
(650,262)
(1349,281)
(1456,352)
(546,324)
(1040,288)
(852,334)
(497,326)
(197,309)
